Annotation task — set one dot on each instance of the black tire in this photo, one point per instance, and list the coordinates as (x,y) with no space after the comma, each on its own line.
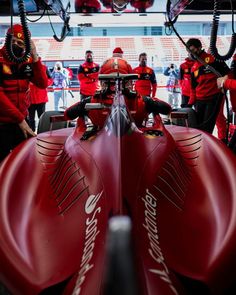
(44,122)
(192,118)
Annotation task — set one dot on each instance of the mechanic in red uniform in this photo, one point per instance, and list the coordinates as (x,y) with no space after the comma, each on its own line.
(14,84)
(88,76)
(205,95)
(221,122)
(185,80)
(228,82)
(141,5)
(146,85)
(115,5)
(116,63)
(87,6)
(155,106)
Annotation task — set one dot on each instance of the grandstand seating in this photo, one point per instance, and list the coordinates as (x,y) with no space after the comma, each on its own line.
(100,48)
(160,49)
(129,47)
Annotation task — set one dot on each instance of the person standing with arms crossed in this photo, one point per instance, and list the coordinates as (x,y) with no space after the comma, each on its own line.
(88,76)
(146,85)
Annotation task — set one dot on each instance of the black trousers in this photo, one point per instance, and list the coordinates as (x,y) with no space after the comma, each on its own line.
(10,136)
(184,101)
(207,112)
(40,109)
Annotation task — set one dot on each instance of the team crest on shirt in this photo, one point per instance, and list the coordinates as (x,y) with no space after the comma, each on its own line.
(86,69)
(28,70)
(207,59)
(115,64)
(196,73)
(6,69)
(19,35)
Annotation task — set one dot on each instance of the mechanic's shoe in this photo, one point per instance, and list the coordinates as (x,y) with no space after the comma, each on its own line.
(90,131)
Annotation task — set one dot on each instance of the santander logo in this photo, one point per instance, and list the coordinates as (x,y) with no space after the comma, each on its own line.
(92,202)
(91,232)
(154,250)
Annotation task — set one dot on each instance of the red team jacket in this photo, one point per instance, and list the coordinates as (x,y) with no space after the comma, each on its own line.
(146,84)
(38,95)
(203,81)
(80,4)
(142,5)
(231,84)
(185,76)
(114,65)
(14,84)
(88,77)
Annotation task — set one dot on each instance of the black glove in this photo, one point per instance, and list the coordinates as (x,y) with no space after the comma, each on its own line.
(130,94)
(156,106)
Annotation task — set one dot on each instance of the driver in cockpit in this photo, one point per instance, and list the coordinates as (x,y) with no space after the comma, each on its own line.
(138,105)
(112,65)
(116,64)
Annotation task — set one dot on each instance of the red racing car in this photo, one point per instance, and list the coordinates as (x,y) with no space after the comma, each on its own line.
(175,184)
